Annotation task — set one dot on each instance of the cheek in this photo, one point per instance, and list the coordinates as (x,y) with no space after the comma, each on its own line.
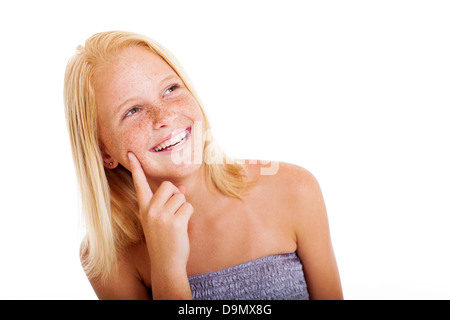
(109,141)
(119,142)
(195,113)
(133,140)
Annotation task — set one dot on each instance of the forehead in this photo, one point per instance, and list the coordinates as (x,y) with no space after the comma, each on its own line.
(130,65)
(131,71)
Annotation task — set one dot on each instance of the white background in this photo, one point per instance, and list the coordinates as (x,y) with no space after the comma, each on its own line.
(357,92)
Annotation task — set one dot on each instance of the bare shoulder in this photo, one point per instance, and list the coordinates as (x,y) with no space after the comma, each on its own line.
(286,180)
(291,191)
(296,177)
(302,192)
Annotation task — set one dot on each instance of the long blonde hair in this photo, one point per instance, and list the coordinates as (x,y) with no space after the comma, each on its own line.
(109,203)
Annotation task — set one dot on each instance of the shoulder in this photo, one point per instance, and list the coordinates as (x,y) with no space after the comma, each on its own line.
(292,198)
(297,193)
(293,190)
(303,202)
(296,177)
(301,191)
(289,181)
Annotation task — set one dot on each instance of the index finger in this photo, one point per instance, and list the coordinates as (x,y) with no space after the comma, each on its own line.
(143,191)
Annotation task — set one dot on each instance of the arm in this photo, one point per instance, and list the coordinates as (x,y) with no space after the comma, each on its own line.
(164,216)
(124,285)
(127,284)
(313,238)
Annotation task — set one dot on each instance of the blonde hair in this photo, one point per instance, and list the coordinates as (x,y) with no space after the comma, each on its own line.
(109,203)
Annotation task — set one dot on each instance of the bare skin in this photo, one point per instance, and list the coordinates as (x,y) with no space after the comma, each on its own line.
(190,227)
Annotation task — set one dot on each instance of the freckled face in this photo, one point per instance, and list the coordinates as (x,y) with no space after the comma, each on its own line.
(141,101)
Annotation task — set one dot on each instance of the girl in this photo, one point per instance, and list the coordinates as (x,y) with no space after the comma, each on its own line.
(168,215)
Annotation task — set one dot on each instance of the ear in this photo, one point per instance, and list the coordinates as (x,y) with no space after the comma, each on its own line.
(108,161)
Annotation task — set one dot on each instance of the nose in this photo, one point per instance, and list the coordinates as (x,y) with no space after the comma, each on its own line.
(162,117)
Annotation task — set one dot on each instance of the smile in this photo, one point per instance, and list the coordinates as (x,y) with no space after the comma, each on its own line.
(174,141)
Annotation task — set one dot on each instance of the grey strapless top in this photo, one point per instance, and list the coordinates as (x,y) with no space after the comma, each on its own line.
(276,277)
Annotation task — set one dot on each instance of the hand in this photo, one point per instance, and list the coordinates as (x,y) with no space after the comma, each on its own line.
(164,216)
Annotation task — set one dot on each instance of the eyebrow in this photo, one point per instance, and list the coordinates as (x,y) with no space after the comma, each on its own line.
(122,104)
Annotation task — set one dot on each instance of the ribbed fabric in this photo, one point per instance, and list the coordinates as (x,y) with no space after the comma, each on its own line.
(276,277)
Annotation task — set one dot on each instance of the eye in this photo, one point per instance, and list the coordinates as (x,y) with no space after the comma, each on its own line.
(171,89)
(132,111)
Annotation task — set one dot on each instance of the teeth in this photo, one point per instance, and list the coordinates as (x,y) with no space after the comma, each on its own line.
(174,140)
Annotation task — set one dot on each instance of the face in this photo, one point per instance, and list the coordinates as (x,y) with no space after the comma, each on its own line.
(144,107)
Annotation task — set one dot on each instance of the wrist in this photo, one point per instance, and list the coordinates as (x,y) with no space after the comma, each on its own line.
(170,283)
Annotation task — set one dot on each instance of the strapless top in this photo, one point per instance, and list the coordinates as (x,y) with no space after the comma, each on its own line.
(275,277)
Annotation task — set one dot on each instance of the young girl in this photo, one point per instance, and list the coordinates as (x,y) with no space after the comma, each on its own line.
(170,216)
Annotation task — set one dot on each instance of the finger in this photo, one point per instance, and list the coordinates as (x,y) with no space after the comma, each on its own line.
(143,192)
(174,203)
(165,191)
(185,212)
